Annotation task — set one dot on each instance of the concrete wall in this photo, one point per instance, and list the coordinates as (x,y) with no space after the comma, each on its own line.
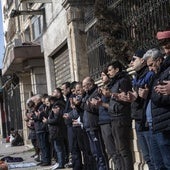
(25,90)
(54,36)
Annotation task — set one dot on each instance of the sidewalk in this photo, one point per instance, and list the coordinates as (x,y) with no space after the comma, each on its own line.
(21,151)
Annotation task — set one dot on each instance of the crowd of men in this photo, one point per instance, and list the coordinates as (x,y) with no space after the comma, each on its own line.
(84,126)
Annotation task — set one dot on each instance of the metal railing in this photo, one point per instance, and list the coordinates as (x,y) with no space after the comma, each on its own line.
(140,20)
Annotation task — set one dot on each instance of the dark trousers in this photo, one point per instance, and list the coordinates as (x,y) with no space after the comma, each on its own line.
(43,141)
(97,149)
(70,137)
(66,145)
(76,148)
(35,145)
(109,142)
(108,139)
(121,130)
(81,144)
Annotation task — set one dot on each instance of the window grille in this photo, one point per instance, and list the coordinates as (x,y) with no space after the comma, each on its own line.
(97,57)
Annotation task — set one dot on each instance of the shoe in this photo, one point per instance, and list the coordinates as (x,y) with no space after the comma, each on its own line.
(45,164)
(37,159)
(56,165)
(38,164)
(69,165)
(36,156)
(32,156)
(60,167)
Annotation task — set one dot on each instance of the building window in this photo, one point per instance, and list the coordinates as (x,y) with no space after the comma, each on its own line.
(27,35)
(37,27)
(9,2)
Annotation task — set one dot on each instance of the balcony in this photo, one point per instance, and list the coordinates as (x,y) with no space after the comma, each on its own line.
(17,56)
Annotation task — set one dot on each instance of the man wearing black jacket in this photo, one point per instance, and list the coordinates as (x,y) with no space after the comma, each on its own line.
(120,113)
(68,138)
(159,106)
(41,130)
(90,123)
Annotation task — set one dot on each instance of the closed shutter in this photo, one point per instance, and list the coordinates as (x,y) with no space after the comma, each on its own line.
(62,66)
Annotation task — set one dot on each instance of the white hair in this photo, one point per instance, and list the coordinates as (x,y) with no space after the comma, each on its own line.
(153,53)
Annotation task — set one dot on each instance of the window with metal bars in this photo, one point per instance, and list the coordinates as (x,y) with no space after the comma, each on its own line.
(97,56)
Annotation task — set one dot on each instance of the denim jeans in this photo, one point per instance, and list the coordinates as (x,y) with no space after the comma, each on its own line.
(144,141)
(59,149)
(43,142)
(160,145)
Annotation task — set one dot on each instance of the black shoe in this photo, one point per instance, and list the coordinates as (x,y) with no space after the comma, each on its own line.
(45,164)
(37,159)
(69,165)
(60,167)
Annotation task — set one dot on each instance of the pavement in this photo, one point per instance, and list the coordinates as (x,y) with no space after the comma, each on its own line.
(21,151)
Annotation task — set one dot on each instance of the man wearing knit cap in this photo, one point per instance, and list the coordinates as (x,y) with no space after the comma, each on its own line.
(159,104)
(141,80)
(164,41)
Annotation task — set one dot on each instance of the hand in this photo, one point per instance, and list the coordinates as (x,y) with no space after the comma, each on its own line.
(29,124)
(37,113)
(26,119)
(163,88)
(66,116)
(95,101)
(122,96)
(143,92)
(44,120)
(75,122)
(105,92)
(132,96)
(76,100)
